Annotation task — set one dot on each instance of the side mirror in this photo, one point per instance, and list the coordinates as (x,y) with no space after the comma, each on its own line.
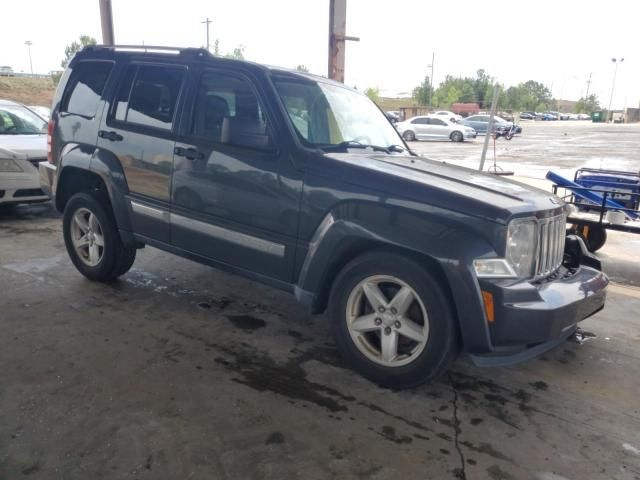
(245,132)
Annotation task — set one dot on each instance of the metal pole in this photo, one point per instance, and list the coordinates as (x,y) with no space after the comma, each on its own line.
(494,103)
(337,39)
(433,58)
(106,22)
(28,43)
(613,84)
(207,22)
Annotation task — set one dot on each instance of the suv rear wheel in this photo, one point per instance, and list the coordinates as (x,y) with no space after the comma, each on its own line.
(392,321)
(92,239)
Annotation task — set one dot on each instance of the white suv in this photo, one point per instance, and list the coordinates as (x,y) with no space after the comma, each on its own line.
(23,144)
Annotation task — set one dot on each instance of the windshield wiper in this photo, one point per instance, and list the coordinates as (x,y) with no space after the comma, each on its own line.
(355,144)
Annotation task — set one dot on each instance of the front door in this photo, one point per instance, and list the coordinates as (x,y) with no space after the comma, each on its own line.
(439,129)
(139,131)
(234,197)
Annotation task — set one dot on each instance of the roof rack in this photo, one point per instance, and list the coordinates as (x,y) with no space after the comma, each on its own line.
(151,49)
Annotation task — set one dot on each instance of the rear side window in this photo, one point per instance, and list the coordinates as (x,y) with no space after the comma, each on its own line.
(148,95)
(437,121)
(85,88)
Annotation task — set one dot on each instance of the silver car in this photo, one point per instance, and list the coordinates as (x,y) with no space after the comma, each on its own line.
(23,144)
(434,127)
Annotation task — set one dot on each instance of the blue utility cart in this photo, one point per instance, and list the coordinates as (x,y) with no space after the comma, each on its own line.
(603,199)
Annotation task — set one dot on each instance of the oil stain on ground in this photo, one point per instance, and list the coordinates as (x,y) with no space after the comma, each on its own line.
(247,322)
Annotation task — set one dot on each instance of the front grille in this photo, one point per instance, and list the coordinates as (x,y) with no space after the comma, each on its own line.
(550,245)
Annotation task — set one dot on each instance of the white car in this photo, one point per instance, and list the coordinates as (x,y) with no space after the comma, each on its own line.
(433,127)
(452,117)
(23,144)
(44,112)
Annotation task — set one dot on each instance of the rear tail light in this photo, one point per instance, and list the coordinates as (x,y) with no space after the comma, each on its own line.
(50,141)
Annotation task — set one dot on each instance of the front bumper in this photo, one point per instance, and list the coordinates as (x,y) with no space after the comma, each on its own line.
(470,135)
(531,318)
(20,187)
(47,173)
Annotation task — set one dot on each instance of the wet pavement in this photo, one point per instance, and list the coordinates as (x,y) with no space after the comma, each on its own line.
(178,371)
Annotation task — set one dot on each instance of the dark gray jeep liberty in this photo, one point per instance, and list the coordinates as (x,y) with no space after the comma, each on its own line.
(302,183)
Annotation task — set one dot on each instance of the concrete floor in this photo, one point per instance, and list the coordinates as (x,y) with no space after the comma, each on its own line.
(178,371)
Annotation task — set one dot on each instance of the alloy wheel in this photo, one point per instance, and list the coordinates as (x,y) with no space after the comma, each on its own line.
(387,320)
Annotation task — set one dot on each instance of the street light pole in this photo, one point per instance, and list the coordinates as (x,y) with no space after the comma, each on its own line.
(613,84)
(28,43)
(207,22)
(433,58)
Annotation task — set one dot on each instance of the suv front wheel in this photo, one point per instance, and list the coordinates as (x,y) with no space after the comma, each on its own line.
(392,321)
(92,239)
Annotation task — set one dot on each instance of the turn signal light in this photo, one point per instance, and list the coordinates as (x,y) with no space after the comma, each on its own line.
(489,310)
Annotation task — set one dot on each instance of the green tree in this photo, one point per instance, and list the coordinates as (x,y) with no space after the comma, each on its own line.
(373,93)
(482,88)
(422,94)
(588,105)
(237,53)
(74,47)
(302,68)
(535,95)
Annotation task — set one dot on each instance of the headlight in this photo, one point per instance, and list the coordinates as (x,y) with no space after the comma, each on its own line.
(493,268)
(521,247)
(520,255)
(8,165)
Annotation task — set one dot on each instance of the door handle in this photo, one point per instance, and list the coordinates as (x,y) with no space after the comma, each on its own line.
(189,153)
(112,136)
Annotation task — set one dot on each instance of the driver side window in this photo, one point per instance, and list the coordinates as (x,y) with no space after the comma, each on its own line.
(227,110)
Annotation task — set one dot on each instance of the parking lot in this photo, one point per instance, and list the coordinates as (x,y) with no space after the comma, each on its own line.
(180,371)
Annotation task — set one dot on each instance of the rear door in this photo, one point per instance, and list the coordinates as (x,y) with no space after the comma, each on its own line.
(139,131)
(421,127)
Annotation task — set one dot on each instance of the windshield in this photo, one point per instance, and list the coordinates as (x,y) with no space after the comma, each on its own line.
(18,120)
(327,115)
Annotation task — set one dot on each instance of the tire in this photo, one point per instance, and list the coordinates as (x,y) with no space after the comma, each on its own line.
(415,362)
(409,136)
(92,239)
(456,136)
(595,238)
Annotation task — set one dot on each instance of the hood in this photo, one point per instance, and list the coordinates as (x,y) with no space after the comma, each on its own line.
(32,146)
(448,186)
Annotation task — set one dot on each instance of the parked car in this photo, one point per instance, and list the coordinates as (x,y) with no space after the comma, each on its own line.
(547,116)
(560,115)
(412,260)
(23,144)
(480,124)
(452,117)
(584,116)
(393,116)
(528,116)
(6,71)
(44,112)
(432,127)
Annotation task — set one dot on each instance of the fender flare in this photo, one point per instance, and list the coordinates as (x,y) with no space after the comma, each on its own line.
(453,257)
(107,167)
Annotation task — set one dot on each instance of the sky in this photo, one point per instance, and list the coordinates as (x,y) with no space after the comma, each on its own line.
(559,43)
